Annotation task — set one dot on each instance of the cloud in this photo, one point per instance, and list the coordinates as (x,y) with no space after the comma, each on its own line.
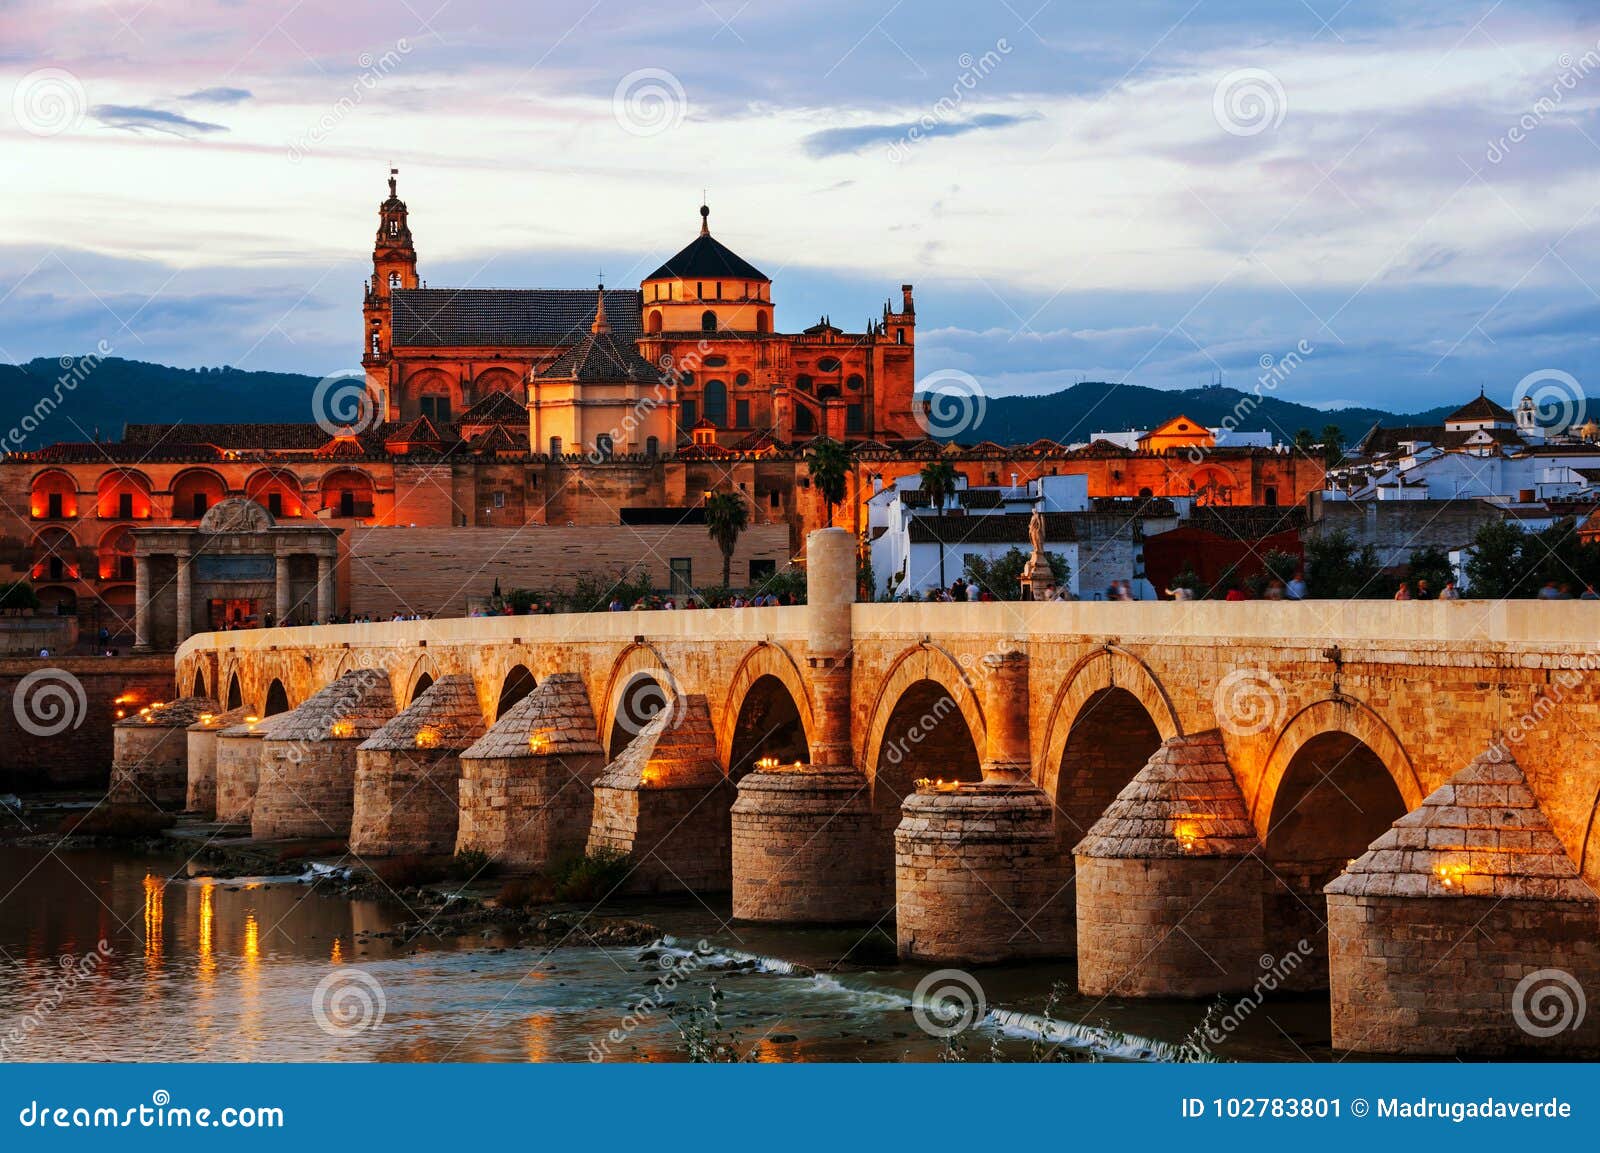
(134,118)
(219,95)
(836,141)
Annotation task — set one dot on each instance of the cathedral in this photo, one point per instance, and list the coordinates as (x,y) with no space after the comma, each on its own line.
(691,357)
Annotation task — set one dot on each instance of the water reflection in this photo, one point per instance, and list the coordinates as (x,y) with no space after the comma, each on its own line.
(221,970)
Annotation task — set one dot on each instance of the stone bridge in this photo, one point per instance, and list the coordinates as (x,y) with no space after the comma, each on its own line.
(1164,790)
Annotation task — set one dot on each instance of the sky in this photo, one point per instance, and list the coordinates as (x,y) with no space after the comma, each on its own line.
(1402,194)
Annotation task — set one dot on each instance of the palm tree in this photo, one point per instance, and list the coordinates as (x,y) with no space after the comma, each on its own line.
(829,466)
(1332,444)
(939,482)
(727,516)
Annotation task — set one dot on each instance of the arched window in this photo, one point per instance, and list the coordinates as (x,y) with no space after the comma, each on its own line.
(708,321)
(899,336)
(652,446)
(716,402)
(763,322)
(654,323)
(394,280)
(803,421)
(803,382)
(602,445)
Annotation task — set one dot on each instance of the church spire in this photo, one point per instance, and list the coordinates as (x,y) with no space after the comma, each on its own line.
(600,324)
(394,174)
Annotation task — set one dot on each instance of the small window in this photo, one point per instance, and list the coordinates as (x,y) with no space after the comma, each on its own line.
(200,503)
(828,364)
(774,499)
(854,421)
(555,446)
(275,503)
(499,500)
(741,380)
(602,445)
(125,506)
(803,382)
(688,413)
(1270,495)
(899,336)
(741,414)
(347,502)
(854,382)
(715,362)
(652,446)
(708,321)
(681,569)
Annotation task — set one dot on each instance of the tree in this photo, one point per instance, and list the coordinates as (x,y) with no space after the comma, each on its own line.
(1332,444)
(1002,576)
(829,465)
(1336,568)
(1431,564)
(1494,570)
(939,482)
(1304,442)
(727,516)
(18,597)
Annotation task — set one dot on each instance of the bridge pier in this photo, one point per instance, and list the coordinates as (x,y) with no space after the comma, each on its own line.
(527,785)
(238,769)
(978,873)
(408,773)
(308,758)
(201,796)
(1466,929)
(150,754)
(1169,883)
(803,834)
(664,803)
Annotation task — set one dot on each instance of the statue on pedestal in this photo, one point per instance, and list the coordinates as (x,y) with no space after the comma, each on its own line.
(1038,579)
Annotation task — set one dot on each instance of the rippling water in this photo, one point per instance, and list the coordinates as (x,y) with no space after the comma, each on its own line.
(229,971)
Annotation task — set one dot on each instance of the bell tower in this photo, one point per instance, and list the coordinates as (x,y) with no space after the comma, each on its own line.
(394,265)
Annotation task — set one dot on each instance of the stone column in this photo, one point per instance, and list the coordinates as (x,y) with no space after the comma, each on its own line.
(141,602)
(979,877)
(325,601)
(803,849)
(1006,756)
(282,600)
(185,600)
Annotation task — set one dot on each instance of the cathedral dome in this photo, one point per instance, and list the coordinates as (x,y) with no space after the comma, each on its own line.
(707,258)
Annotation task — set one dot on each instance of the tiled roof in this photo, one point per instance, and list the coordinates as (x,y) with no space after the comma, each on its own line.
(307,436)
(497,440)
(554,720)
(445,717)
(989,528)
(1183,803)
(1482,834)
(495,408)
(602,356)
(418,431)
(361,700)
(180,713)
(506,317)
(964,497)
(676,749)
(706,256)
(1480,408)
(220,720)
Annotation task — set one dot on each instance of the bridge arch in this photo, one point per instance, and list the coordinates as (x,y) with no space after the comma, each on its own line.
(197,686)
(761,667)
(926,689)
(418,679)
(276,699)
(1340,714)
(516,684)
(235,693)
(639,685)
(1106,668)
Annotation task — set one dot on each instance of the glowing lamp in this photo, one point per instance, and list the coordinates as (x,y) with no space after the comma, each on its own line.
(539,742)
(767,763)
(340,729)
(1187,834)
(1450,876)
(427,737)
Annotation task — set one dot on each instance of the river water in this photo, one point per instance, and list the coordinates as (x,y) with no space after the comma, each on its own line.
(201,969)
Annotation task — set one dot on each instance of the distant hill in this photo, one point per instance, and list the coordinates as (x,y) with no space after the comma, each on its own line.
(1075,413)
(83,402)
(116,392)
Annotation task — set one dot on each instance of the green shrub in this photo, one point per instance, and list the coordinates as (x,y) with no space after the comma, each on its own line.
(470,863)
(591,877)
(521,892)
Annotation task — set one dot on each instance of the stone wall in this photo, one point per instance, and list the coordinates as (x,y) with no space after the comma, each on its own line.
(1398,528)
(405,802)
(35,756)
(435,570)
(306,789)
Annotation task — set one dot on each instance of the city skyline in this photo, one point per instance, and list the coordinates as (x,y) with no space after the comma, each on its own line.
(1155,197)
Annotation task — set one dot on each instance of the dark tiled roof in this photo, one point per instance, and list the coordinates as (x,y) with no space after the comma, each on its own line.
(418,431)
(288,436)
(966,498)
(498,440)
(602,356)
(507,317)
(495,408)
(1480,408)
(708,258)
(989,528)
